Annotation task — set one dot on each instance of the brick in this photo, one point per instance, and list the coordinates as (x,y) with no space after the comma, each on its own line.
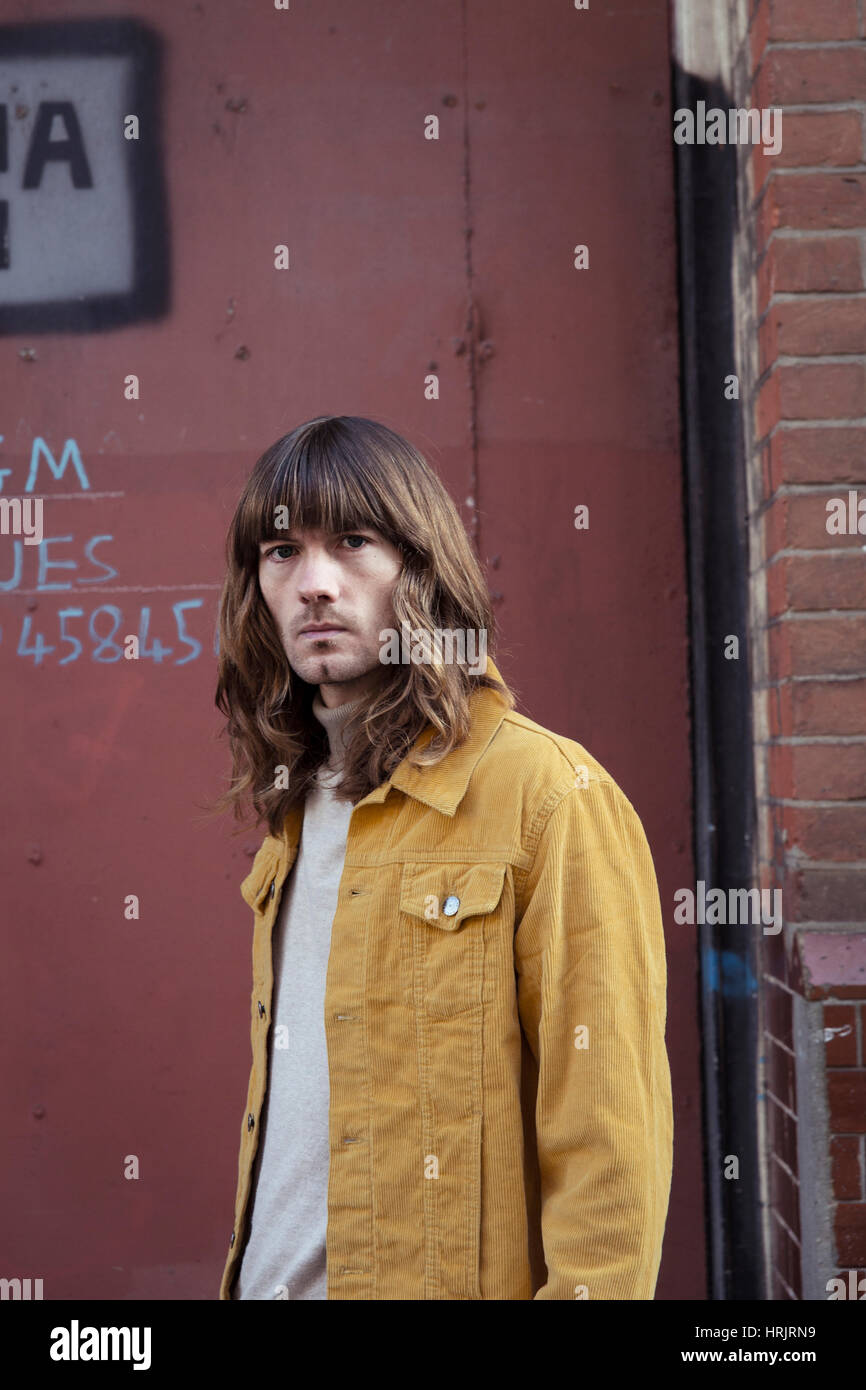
(826,895)
(841,1049)
(851,1276)
(828,962)
(780,712)
(832,139)
(829,832)
(849,1228)
(800,522)
(777,578)
(768,345)
(785,1196)
(777,1289)
(782,1132)
(768,408)
(822,772)
(780,1078)
(820,455)
(817,328)
(828,707)
(779,651)
(845,1168)
(766,217)
(778,1292)
(825,646)
(759,33)
(793,21)
(846,1099)
(805,265)
(773,954)
(766,469)
(780,771)
(778,1012)
(811,201)
(796,77)
(824,392)
(812,583)
(786,1256)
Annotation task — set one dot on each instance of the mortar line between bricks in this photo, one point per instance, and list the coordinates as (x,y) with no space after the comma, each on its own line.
(823,805)
(821,489)
(790,552)
(828,297)
(853,866)
(800,359)
(822,108)
(794,171)
(848,484)
(780,984)
(840,928)
(827,678)
(804,740)
(836,423)
(781,1104)
(812,615)
(774,1157)
(808,234)
(785,1285)
(780,45)
(782,1222)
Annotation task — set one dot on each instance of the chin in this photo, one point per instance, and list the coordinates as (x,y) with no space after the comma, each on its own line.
(317,668)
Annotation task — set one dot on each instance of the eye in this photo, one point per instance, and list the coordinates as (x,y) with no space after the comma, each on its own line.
(273,551)
(353,537)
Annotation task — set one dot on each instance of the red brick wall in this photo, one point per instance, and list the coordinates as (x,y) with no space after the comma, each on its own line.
(807,234)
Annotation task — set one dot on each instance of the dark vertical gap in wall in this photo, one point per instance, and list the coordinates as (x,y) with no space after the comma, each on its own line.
(717,535)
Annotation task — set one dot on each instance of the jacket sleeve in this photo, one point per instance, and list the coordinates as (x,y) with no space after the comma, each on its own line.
(591,981)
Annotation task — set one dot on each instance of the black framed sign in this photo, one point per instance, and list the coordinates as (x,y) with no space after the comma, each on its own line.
(83,217)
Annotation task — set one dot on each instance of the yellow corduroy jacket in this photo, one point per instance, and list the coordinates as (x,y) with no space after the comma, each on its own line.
(500,1101)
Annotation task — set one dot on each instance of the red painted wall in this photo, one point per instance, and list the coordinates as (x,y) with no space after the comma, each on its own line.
(557,387)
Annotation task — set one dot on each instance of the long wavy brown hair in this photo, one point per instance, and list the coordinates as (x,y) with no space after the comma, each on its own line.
(339,474)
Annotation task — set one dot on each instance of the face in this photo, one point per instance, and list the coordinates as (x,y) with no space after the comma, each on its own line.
(343,584)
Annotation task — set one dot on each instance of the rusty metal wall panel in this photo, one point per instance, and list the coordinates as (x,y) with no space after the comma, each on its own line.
(557,386)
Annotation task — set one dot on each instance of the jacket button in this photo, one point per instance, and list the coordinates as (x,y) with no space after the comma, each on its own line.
(250,1122)
(261,1009)
(232,1241)
(273,887)
(450,906)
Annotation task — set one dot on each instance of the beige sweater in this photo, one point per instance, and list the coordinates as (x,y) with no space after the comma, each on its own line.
(285,1252)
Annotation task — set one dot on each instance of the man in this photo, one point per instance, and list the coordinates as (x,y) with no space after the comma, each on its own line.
(460,1088)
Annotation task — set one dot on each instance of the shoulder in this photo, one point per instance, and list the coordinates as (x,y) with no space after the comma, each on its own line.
(539,757)
(542,784)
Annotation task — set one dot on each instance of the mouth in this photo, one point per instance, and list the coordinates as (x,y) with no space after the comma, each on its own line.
(320,631)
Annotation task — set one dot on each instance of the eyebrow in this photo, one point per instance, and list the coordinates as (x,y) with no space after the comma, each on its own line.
(289,537)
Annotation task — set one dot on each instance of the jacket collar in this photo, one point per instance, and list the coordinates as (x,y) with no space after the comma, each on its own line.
(443,786)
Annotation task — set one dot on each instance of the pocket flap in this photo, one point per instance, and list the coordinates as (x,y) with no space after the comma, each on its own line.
(445,895)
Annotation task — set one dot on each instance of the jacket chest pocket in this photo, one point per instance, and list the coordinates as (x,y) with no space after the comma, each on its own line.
(443,909)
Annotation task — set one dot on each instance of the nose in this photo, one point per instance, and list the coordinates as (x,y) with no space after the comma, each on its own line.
(317,577)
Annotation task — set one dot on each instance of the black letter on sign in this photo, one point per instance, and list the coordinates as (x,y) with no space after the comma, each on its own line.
(43,148)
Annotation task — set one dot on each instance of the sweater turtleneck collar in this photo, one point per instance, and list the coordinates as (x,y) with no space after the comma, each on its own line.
(334,722)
